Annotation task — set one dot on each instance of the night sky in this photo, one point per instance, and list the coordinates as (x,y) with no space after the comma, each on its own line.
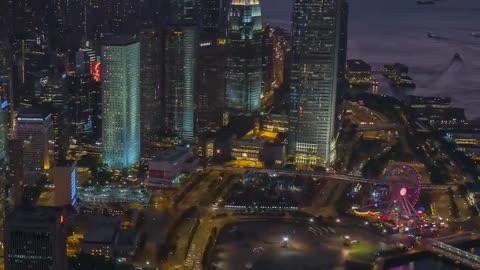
(386,31)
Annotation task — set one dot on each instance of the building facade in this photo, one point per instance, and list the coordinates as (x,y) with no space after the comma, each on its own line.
(65,179)
(35,130)
(209,98)
(121,103)
(180,70)
(150,84)
(314,80)
(35,238)
(244,57)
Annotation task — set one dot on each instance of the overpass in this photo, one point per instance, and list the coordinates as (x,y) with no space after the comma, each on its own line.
(455,254)
(340,177)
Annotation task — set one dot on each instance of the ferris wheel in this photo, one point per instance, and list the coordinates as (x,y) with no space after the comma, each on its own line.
(397,193)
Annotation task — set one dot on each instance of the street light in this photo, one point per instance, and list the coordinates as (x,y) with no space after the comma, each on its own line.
(311,219)
(285,242)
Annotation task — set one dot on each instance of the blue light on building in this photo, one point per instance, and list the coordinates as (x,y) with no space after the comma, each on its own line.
(73,183)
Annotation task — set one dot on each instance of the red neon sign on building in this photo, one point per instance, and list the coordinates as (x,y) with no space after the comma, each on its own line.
(96,71)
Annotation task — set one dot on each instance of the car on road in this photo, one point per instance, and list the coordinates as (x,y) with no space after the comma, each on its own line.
(258,250)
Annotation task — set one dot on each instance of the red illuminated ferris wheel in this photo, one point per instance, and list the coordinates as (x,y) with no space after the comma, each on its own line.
(397,193)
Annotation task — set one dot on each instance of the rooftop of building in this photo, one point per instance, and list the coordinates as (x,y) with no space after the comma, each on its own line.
(245,2)
(102,230)
(172,154)
(247,140)
(116,40)
(34,113)
(112,195)
(32,215)
(64,163)
(257,135)
(127,237)
(238,126)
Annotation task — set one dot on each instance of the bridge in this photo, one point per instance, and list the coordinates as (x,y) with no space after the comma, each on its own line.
(455,254)
(340,177)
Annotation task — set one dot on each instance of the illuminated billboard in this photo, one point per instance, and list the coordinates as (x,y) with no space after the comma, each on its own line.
(96,71)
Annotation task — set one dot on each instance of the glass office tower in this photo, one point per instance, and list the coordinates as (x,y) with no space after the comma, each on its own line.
(181,64)
(244,57)
(121,102)
(314,80)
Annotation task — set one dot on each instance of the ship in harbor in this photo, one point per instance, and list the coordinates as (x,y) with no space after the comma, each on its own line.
(434,36)
(425,2)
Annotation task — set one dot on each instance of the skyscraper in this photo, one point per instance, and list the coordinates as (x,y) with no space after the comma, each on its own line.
(35,238)
(150,84)
(343,39)
(6,72)
(182,12)
(209,99)
(4,169)
(314,80)
(180,69)
(121,102)
(3,131)
(211,16)
(244,57)
(35,129)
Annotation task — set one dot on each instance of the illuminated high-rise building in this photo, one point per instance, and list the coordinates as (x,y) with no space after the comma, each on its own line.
(180,69)
(4,168)
(210,14)
(244,57)
(268,41)
(35,129)
(314,80)
(209,98)
(3,132)
(182,12)
(121,102)
(150,85)
(181,48)
(6,72)
(343,40)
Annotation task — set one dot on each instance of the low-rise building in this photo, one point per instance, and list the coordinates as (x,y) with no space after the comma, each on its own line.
(101,237)
(65,179)
(359,72)
(165,169)
(250,149)
(275,123)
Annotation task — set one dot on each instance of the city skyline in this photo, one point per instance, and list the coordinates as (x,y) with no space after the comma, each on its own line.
(239,134)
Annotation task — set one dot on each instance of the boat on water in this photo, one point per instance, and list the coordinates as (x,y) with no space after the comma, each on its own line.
(475,35)
(425,2)
(431,35)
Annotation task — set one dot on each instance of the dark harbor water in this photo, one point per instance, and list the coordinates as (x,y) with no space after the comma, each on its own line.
(387,31)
